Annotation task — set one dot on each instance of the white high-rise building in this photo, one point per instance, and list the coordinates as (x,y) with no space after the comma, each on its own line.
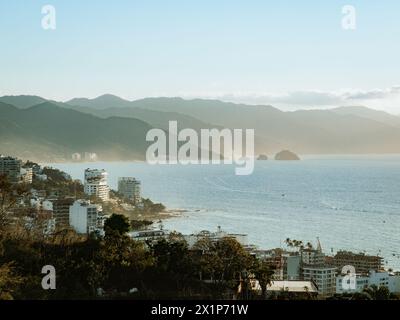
(26,175)
(83,216)
(129,187)
(315,269)
(96,184)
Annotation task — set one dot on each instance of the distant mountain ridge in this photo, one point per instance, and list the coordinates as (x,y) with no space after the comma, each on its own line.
(47,132)
(22,101)
(371,114)
(102,102)
(346,130)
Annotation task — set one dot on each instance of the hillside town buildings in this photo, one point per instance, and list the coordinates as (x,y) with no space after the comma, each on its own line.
(12,168)
(294,268)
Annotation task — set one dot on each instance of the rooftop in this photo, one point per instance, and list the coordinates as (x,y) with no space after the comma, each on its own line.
(292,286)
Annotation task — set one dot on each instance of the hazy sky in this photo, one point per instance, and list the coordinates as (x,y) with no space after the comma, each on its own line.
(292,54)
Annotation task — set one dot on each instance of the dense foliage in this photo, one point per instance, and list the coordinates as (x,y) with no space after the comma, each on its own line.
(112,266)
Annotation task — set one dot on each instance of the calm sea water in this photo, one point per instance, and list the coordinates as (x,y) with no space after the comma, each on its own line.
(348,202)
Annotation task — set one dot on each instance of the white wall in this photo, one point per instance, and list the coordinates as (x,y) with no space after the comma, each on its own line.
(378,279)
(47,205)
(78,217)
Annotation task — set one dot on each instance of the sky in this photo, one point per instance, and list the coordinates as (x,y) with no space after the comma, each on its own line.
(291,54)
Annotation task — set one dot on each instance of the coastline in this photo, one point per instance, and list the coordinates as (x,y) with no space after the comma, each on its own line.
(166,214)
(255,204)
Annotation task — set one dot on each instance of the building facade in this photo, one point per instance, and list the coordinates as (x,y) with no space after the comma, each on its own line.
(361,281)
(84,216)
(26,175)
(129,187)
(361,262)
(95,184)
(192,239)
(293,288)
(291,266)
(11,167)
(323,276)
(312,256)
(61,211)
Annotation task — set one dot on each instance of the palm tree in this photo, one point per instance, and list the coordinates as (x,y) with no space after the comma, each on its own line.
(263,273)
(299,244)
(375,293)
(294,243)
(289,242)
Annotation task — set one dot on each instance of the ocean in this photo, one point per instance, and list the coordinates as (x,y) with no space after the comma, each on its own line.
(349,202)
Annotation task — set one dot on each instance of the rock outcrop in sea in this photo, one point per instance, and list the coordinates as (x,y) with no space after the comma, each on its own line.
(286,155)
(262,157)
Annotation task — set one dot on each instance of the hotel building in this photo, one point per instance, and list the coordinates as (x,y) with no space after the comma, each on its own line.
(96,184)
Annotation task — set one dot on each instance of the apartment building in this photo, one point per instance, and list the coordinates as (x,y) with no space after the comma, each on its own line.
(323,276)
(360,261)
(129,187)
(61,211)
(314,268)
(11,167)
(84,216)
(95,184)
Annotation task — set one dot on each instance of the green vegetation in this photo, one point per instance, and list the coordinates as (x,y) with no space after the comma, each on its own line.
(142,214)
(116,264)
(9,196)
(149,207)
(140,224)
(298,244)
(9,281)
(372,292)
(117,223)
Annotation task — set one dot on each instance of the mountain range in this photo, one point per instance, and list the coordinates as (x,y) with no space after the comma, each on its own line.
(115,128)
(48,132)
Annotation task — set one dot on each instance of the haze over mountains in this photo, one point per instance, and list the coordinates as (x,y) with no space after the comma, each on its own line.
(47,132)
(114,128)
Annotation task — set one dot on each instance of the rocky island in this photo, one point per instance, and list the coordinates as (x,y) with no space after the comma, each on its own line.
(286,155)
(262,157)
